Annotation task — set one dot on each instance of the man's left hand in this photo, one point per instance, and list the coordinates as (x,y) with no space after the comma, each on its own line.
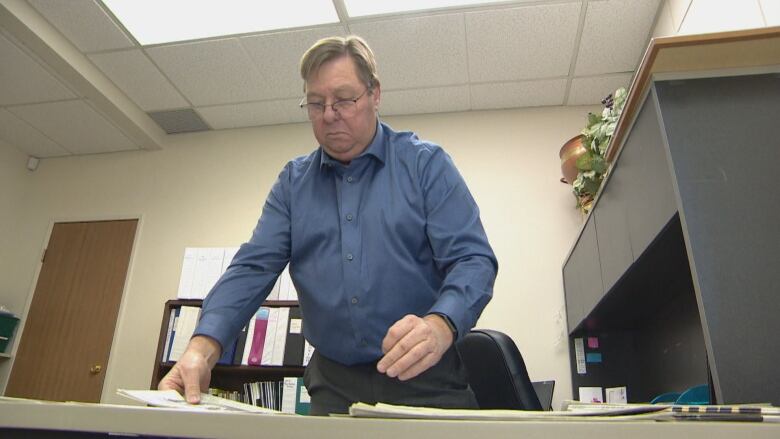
(414,344)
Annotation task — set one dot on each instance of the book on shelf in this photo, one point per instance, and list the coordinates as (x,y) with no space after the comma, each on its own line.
(258,335)
(184,328)
(240,344)
(293,352)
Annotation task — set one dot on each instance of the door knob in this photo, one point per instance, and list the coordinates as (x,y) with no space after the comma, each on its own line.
(94,370)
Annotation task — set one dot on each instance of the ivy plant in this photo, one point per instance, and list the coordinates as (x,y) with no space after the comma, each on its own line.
(592,165)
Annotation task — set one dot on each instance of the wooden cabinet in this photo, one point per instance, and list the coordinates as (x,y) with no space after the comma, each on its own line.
(674,273)
(222,376)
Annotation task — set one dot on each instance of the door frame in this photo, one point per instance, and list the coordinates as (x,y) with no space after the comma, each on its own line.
(122,302)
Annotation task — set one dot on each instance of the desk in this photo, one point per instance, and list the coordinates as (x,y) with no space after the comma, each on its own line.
(675,270)
(69,417)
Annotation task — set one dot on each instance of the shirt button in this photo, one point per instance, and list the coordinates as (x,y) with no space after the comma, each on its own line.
(349,217)
(354,300)
(350,257)
(349,179)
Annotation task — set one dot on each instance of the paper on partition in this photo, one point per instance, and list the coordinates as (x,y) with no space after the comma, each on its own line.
(308,351)
(213,269)
(229,254)
(616,395)
(172,399)
(579,354)
(187,273)
(591,394)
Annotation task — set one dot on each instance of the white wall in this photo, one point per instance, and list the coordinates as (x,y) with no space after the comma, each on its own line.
(704,16)
(16,273)
(207,189)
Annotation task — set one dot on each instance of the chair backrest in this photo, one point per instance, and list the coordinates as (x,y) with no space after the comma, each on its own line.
(496,370)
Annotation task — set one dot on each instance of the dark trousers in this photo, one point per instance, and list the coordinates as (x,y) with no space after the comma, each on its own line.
(333,387)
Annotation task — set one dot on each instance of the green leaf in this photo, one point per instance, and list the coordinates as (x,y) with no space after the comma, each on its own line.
(585,161)
(598,164)
(592,118)
(591,186)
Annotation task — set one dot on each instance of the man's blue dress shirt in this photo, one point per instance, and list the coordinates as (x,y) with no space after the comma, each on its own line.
(395,232)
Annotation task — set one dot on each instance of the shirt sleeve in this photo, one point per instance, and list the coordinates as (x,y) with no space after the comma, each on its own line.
(251,275)
(460,246)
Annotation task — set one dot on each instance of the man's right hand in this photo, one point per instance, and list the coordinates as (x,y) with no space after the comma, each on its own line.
(192,373)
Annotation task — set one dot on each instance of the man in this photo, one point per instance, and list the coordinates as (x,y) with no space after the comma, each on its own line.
(386,249)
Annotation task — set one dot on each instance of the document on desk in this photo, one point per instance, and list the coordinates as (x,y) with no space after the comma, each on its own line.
(605,412)
(208,403)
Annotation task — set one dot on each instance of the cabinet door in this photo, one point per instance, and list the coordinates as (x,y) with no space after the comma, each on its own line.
(647,178)
(582,275)
(612,227)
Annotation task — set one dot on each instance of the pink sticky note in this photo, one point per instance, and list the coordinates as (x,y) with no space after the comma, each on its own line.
(593,342)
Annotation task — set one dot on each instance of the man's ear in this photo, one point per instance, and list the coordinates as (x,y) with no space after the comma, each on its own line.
(376,95)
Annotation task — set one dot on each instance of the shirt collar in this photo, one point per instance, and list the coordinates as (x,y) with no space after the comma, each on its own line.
(376,148)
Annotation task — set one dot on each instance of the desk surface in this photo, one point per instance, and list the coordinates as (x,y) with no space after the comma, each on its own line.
(169,422)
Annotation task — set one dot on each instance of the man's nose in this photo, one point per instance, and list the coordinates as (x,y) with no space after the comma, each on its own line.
(329,114)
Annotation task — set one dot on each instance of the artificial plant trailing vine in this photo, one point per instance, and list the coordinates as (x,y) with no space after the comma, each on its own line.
(592,165)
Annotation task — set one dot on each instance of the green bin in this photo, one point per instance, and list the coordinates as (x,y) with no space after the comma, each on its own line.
(7,325)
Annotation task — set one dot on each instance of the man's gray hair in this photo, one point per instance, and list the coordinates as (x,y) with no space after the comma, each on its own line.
(331,48)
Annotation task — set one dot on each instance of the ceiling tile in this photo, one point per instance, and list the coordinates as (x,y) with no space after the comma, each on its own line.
(721,16)
(23,80)
(615,35)
(138,77)
(26,138)
(771,9)
(518,94)
(75,126)
(678,9)
(664,26)
(277,55)
(589,91)
(210,72)
(521,43)
(417,51)
(426,100)
(253,114)
(84,23)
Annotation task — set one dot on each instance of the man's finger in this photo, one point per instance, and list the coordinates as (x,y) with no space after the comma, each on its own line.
(398,331)
(409,358)
(191,386)
(419,367)
(405,351)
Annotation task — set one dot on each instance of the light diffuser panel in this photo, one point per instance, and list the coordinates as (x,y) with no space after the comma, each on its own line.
(156,21)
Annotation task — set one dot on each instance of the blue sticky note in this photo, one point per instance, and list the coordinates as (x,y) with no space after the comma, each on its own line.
(593,357)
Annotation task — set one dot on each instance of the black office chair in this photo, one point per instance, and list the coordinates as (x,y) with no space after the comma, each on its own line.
(496,371)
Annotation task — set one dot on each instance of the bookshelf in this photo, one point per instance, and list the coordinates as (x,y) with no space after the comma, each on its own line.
(222,376)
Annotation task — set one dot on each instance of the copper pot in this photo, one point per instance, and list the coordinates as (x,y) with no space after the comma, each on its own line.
(570,152)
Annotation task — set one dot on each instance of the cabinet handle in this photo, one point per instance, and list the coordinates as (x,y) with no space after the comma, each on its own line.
(94,370)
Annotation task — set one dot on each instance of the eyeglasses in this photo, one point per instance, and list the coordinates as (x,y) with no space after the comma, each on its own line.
(344,107)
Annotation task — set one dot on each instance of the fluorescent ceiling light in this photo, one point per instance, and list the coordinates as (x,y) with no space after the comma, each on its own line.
(359,8)
(165,21)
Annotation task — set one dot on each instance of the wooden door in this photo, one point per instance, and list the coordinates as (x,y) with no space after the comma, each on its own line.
(67,336)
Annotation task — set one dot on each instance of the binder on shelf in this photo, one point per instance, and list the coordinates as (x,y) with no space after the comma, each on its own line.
(280,336)
(295,397)
(240,344)
(185,326)
(293,351)
(258,337)
(250,331)
(270,338)
(169,334)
